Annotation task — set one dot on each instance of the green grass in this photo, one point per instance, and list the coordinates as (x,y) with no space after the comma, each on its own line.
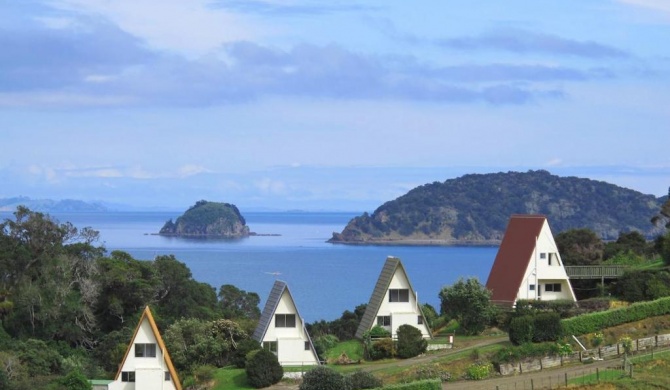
(230,378)
(601,376)
(353,349)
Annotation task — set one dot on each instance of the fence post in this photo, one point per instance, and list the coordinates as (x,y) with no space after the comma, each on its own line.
(532,386)
(566,379)
(597,375)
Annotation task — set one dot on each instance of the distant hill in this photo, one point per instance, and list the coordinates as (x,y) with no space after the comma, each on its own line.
(475,209)
(49,205)
(208,219)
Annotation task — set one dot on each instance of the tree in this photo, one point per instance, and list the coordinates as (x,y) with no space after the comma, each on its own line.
(469,302)
(580,247)
(323,378)
(236,303)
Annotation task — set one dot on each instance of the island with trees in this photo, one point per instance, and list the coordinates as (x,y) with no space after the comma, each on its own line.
(208,220)
(474,209)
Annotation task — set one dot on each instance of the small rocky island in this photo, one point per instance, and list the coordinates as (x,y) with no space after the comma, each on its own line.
(208,220)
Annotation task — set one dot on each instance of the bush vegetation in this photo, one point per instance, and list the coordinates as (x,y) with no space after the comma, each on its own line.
(323,378)
(263,369)
(410,342)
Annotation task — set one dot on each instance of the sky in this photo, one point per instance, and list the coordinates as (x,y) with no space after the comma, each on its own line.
(337,105)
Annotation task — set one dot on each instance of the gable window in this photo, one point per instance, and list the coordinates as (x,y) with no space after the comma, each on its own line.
(531,287)
(384,320)
(555,287)
(128,376)
(419,320)
(307,346)
(398,295)
(270,346)
(145,350)
(168,377)
(284,320)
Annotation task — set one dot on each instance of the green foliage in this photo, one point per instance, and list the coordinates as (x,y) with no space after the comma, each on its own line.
(236,303)
(597,339)
(39,358)
(377,332)
(579,247)
(478,371)
(516,353)
(263,369)
(565,308)
(323,343)
(426,384)
(410,342)
(381,349)
(469,302)
(477,207)
(663,246)
(642,285)
(546,327)
(75,380)
(594,322)
(521,329)
(344,328)
(363,380)
(430,315)
(323,378)
(245,346)
(627,344)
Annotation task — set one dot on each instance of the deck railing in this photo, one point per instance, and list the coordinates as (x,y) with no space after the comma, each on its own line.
(594,271)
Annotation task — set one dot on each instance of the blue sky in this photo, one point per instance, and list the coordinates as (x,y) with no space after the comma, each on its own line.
(339,105)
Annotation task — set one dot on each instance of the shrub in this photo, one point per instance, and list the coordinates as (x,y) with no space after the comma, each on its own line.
(243,348)
(565,308)
(517,353)
(323,378)
(410,342)
(204,374)
(478,371)
(594,304)
(546,327)
(323,343)
(263,369)
(378,332)
(75,380)
(381,349)
(521,330)
(363,380)
(594,322)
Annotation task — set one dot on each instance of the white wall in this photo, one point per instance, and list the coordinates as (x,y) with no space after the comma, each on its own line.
(290,341)
(539,272)
(402,313)
(149,371)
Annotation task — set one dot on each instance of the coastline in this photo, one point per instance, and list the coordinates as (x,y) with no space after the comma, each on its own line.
(418,242)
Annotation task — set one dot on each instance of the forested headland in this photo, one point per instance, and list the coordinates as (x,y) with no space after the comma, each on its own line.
(475,209)
(208,219)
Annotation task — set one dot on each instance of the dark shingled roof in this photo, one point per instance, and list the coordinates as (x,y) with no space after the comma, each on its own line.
(378,294)
(513,257)
(269,311)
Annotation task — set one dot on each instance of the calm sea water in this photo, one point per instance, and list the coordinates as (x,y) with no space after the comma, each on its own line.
(325,279)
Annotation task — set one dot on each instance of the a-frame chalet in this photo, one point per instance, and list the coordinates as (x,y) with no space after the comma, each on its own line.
(528,265)
(393,303)
(282,331)
(146,364)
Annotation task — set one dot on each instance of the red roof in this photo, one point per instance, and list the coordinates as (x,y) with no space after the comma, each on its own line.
(513,257)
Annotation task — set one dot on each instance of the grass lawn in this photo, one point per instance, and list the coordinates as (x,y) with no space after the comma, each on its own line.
(648,373)
(353,349)
(230,378)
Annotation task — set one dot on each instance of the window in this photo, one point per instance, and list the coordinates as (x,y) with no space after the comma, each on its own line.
(128,376)
(419,320)
(398,295)
(555,287)
(543,255)
(168,378)
(307,346)
(284,320)
(531,287)
(384,320)
(270,346)
(145,350)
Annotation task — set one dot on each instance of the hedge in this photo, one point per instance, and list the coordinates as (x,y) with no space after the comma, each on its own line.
(595,322)
(426,384)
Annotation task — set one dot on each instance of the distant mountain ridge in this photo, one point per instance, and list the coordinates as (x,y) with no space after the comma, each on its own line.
(475,209)
(50,205)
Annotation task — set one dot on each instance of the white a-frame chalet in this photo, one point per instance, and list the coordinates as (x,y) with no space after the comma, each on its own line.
(528,265)
(146,364)
(393,302)
(282,331)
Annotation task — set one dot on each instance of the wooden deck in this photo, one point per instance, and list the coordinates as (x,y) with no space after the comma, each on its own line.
(595,271)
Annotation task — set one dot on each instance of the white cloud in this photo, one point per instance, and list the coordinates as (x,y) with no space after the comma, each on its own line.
(189,27)
(662,6)
(270,186)
(554,162)
(190,170)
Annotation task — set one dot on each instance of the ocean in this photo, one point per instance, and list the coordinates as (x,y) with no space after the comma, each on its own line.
(324,279)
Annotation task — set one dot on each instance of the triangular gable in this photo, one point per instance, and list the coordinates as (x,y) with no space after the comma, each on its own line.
(159,340)
(389,269)
(269,311)
(514,255)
